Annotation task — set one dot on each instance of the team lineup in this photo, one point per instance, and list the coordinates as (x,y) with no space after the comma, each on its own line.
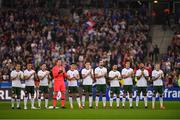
(98,76)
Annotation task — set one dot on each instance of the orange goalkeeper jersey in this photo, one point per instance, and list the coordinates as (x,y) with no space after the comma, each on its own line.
(57,75)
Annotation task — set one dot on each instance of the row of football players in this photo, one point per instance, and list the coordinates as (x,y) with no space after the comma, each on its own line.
(88,74)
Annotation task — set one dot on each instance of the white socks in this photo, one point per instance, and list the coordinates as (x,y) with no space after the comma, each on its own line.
(123,101)
(12,102)
(39,103)
(145,101)
(71,101)
(111,102)
(137,101)
(78,101)
(161,101)
(83,100)
(18,102)
(90,101)
(117,102)
(104,101)
(97,101)
(153,102)
(32,102)
(46,103)
(25,101)
(130,102)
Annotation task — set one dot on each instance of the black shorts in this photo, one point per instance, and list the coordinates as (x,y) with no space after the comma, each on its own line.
(73,89)
(43,89)
(87,88)
(101,88)
(29,90)
(128,88)
(158,89)
(115,90)
(142,89)
(16,91)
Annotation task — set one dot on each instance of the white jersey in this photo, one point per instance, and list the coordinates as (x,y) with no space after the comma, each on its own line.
(142,82)
(114,82)
(30,81)
(159,81)
(87,80)
(44,81)
(129,80)
(101,71)
(17,82)
(73,73)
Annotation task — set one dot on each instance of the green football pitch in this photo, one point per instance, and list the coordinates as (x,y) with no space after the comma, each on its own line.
(172,111)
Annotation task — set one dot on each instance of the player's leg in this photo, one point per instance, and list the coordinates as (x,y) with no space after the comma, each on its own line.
(103,90)
(97,95)
(70,89)
(137,97)
(154,96)
(46,96)
(32,97)
(124,96)
(145,96)
(84,94)
(40,95)
(111,96)
(26,96)
(18,100)
(130,96)
(90,97)
(55,99)
(118,100)
(160,91)
(78,97)
(13,97)
(63,95)
(117,92)
(56,89)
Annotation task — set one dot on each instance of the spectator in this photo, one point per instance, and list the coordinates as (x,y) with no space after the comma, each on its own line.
(156,53)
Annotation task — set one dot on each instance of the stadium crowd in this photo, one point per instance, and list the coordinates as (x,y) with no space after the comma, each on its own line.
(45,35)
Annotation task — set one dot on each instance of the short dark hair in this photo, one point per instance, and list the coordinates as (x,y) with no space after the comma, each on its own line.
(57,60)
(17,63)
(42,63)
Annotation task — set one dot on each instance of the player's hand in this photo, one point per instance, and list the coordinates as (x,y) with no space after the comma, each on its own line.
(73,78)
(142,73)
(159,76)
(33,73)
(61,71)
(19,76)
(116,76)
(131,73)
(47,72)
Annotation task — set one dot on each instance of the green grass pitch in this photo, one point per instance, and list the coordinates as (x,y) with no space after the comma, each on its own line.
(172,111)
